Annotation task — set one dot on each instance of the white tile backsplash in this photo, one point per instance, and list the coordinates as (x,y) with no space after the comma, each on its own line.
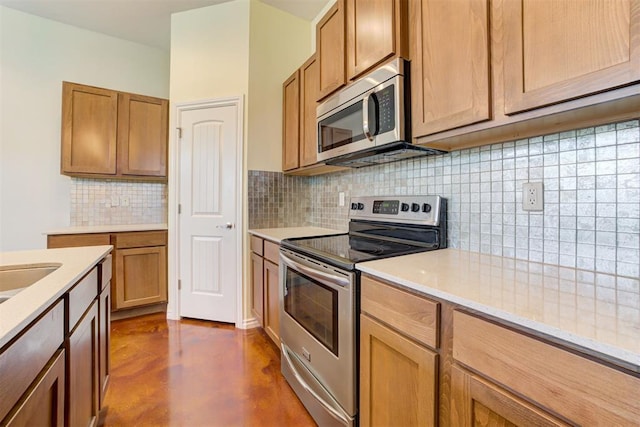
(102,202)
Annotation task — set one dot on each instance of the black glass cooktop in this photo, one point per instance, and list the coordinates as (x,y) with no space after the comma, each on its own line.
(344,250)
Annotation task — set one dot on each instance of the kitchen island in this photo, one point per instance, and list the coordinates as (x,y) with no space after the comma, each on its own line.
(504,339)
(54,335)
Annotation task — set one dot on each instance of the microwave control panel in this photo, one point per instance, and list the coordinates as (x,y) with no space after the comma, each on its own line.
(386,108)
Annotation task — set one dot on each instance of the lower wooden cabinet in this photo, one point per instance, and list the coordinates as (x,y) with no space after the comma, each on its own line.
(265,284)
(43,404)
(398,378)
(272,300)
(140,276)
(82,365)
(104,343)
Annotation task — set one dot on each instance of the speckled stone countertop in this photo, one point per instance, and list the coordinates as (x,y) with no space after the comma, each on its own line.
(107,229)
(279,234)
(592,312)
(21,309)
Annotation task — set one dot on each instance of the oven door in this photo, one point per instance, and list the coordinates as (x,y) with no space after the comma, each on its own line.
(318,332)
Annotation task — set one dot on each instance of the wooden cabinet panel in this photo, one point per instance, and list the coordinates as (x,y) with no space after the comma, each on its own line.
(257,286)
(256,245)
(81,296)
(413,315)
(580,390)
(309,87)
(291,122)
(272,301)
(142,135)
(141,276)
(476,402)
(104,342)
(558,50)
(375,32)
(330,50)
(24,358)
(75,240)
(449,44)
(140,239)
(82,368)
(397,378)
(89,129)
(272,251)
(43,404)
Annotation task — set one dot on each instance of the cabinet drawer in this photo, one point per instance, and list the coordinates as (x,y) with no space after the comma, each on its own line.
(75,240)
(81,296)
(581,390)
(140,239)
(21,363)
(256,245)
(414,316)
(272,251)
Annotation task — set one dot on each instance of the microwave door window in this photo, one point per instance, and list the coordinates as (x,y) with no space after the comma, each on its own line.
(314,306)
(341,128)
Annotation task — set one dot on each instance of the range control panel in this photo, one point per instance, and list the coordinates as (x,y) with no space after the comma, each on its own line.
(404,209)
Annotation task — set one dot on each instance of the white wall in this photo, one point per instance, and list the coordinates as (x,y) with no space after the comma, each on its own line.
(36,55)
(278,44)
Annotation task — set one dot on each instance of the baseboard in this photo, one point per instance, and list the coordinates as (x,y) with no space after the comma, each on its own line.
(250,323)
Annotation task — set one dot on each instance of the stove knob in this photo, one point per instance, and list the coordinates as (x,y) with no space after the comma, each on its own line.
(354,206)
(426,207)
(360,206)
(415,207)
(405,207)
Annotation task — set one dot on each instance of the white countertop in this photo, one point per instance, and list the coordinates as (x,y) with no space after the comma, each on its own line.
(17,312)
(593,312)
(278,234)
(88,229)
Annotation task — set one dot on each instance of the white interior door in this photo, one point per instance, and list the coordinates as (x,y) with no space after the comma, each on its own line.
(208,235)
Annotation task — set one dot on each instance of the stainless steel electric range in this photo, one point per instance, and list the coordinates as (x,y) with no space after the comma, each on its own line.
(319,294)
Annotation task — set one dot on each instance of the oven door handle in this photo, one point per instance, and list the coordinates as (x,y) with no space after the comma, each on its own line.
(335,413)
(328,279)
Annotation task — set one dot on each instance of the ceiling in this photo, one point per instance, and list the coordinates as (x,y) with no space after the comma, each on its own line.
(142,21)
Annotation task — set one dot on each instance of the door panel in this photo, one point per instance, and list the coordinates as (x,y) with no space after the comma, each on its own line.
(208,195)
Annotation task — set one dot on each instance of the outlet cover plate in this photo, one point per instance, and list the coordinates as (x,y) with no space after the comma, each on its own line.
(532,196)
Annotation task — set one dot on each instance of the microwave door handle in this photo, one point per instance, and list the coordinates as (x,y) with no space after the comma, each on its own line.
(365,116)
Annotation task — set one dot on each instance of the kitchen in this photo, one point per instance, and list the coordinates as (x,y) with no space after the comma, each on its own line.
(486,220)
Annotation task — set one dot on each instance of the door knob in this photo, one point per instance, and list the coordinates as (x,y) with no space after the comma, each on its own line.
(228,225)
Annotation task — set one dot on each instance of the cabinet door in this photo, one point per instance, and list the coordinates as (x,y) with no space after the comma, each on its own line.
(291,122)
(257,302)
(104,340)
(272,301)
(330,50)
(309,85)
(397,378)
(559,50)
(475,402)
(142,135)
(43,405)
(82,371)
(89,129)
(375,31)
(141,276)
(449,46)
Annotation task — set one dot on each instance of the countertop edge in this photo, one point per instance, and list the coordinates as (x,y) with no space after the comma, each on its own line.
(116,228)
(615,355)
(280,233)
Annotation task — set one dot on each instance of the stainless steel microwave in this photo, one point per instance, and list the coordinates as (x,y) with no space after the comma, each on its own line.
(368,113)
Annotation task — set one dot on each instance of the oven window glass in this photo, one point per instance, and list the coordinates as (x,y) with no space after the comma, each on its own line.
(314,306)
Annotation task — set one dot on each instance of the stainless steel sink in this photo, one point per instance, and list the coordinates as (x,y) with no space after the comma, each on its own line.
(16,277)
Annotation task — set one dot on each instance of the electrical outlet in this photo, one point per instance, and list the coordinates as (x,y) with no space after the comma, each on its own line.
(341,198)
(532,196)
(124,201)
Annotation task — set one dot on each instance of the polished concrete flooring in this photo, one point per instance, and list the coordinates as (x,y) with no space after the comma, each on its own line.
(195,373)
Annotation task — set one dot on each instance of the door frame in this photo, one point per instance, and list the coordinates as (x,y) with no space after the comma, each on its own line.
(173,266)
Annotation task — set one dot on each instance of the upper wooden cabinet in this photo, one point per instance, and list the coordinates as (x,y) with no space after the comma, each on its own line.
(558,50)
(484,71)
(330,49)
(291,122)
(375,32)
(356,35)
(450,64)
(110,134)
